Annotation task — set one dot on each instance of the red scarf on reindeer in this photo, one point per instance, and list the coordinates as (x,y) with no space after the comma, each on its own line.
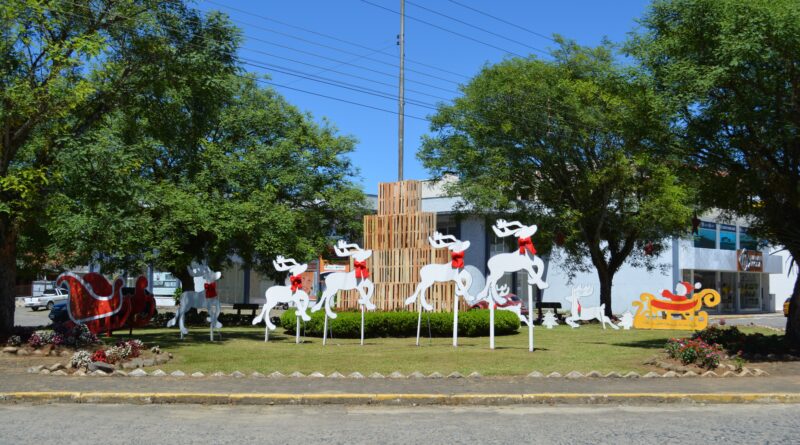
(526,244)
(457,260)
(211,289)
(297,282)
(361,269)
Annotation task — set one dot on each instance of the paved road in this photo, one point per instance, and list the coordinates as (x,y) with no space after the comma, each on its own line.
(123,424)
(24,316)
(777,321)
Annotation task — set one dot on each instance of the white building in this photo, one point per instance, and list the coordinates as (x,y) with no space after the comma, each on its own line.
(750,277)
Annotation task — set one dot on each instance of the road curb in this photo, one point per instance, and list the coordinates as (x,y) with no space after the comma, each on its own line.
(145,398)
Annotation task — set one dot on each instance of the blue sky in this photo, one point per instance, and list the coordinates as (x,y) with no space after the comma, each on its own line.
(367,37)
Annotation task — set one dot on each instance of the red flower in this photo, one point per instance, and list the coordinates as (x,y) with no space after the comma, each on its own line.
(99,356)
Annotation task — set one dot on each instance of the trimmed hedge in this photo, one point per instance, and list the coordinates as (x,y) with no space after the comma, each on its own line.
(473,323)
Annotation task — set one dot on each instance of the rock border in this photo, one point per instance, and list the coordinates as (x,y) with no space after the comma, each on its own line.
(61,370)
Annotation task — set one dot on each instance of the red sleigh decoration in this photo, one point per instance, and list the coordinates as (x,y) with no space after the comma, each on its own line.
(102,306)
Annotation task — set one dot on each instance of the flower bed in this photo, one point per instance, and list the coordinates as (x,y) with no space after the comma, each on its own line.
(695,352)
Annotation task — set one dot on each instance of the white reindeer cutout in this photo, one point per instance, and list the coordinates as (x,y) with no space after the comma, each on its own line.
(523,259)
(204,295)
(292,292)
(357,279)
(580,313)
(442,273)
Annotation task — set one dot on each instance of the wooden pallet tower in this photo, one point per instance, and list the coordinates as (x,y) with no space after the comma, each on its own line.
(398,237)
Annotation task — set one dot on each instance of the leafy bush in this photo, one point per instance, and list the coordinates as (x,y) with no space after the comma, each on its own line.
(81,359)
(735,342)
(198,318)
(694,351)
(474,323)
(14,340)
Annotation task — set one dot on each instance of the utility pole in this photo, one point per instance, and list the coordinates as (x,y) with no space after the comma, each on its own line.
(401,96)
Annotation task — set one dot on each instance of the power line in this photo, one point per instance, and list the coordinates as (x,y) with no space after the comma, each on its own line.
(444,29)
(271,83)
(341,62)
(290,48)
(344,73)
(332,68)
(478,28)
(504,21)
(322,45)
(333,82)
(328,36)
(330,97)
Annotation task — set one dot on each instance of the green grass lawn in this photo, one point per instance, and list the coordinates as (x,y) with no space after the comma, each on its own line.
(561,349)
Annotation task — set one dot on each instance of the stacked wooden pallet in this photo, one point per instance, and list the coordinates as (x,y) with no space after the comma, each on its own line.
(398,237)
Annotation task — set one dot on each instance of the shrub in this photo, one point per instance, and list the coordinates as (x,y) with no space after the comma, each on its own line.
(99,356)
(694,351)
(14,340)
(734,341)
(474,323)
(81,359)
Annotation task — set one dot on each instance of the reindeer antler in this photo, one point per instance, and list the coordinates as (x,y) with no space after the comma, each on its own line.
(582,291)
(281,264)
(503,228)
(343,248)
(438,240)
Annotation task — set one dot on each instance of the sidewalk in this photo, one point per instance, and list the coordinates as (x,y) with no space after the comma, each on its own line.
(490,391)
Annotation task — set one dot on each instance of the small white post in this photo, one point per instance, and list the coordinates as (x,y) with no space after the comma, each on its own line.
(362,325)
(297,331)
(530,317)
(266,333)
(455,321)
(419,321)
(325,330)
(491,323)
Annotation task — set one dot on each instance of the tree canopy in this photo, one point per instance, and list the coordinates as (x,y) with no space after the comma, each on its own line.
(732,69)
(131,136)
(580,145)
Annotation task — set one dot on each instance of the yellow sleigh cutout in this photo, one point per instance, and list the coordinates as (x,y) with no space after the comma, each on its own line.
(655,313)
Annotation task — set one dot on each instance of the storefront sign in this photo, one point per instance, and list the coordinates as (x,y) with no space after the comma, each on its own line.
(749,260)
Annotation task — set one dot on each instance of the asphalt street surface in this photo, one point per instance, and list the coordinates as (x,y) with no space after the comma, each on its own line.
(125,424)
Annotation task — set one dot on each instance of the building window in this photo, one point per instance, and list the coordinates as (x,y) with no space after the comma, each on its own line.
(706,236)
(749,291)
(727,237)
(448,225)
(746,241)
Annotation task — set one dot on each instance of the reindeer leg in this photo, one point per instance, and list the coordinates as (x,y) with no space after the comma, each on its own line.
(366,295)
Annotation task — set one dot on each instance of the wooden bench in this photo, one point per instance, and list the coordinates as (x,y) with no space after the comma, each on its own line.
(246,306)
(547,305)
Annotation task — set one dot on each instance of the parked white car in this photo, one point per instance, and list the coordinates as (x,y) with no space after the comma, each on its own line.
(49,298)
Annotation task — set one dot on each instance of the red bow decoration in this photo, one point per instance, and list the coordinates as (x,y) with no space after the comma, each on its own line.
(211,290)
(296,281)
(458,259)
(361,269)
(526,244)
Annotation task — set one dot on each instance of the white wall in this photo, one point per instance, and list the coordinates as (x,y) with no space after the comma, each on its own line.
(628,284)
(782,284)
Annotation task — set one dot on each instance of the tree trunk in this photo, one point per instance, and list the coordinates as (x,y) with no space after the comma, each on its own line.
(793,320)
(606,280)
(8,277)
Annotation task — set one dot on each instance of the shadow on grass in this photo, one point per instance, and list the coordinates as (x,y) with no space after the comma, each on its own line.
(655,343)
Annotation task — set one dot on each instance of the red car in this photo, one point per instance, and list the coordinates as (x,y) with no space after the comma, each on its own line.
(511,300)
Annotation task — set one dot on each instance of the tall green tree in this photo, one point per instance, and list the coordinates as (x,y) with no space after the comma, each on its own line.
(64,67)
(260,179)
(733,70)
(579,145)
